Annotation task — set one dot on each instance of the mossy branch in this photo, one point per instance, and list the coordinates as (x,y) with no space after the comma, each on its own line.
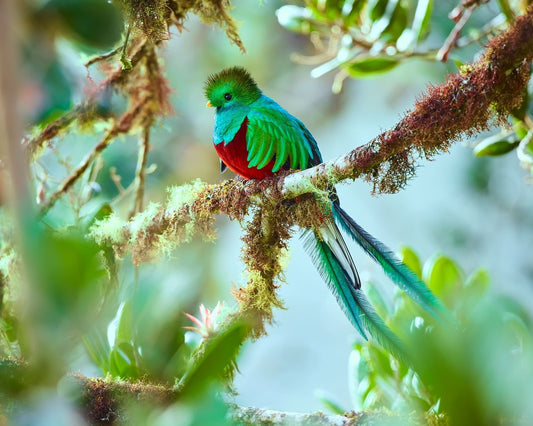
(110,401)
(122,126)
(466,104)
(462,106)
(85,111)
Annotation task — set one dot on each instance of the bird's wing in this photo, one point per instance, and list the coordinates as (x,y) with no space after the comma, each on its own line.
(274,133)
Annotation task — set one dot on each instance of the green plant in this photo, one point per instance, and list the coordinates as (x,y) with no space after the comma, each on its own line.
(472,373)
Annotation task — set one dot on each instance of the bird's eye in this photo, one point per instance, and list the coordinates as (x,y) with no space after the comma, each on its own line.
(227,96)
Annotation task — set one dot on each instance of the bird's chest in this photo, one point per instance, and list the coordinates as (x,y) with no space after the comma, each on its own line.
(235,155)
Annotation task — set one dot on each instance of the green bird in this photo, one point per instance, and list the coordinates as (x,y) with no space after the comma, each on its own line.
(256,138)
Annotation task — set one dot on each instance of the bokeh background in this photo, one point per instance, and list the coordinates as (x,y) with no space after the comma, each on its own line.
(476,210)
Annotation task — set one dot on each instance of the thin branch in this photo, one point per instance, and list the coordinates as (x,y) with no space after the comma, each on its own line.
(33,145)
(124,125)
(103,56)
(452,38)
(496,23)
(140,173)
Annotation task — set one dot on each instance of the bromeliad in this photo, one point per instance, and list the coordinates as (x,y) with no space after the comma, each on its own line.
(256,138)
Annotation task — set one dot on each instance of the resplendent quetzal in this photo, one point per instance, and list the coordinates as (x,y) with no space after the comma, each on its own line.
(256,138)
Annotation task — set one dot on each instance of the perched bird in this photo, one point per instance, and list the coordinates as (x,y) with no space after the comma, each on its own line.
(256,138)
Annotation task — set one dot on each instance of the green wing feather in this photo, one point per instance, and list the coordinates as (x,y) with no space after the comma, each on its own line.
(398,272)
(281,154)
(274,133)
(351,299)
(268,156)
(253,159)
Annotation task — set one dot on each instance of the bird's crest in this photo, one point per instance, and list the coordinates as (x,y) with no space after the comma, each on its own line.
(236,81)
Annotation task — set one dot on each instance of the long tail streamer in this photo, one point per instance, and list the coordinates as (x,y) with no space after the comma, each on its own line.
(348,293)
(397,271)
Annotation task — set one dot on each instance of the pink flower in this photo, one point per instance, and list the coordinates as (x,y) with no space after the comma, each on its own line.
(209,320)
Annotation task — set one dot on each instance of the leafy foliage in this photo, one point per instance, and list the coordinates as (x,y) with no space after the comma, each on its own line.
(456,372)
(365,37)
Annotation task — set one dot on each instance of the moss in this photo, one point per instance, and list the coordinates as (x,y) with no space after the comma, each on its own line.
(178,196)
(214,12)
(109,230)
(103,401)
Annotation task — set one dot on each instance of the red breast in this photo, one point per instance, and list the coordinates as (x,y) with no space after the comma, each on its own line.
(234,155)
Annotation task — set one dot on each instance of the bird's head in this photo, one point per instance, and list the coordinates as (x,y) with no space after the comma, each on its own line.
(231,87)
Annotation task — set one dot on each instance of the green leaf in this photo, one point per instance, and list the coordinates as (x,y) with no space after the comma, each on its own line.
(98,348)
(520,128)
(351,11)
(458,63)
(422,18)
(215,356)
(443,276)
(397,24)
(122,361)
(329,403)
(494,146)
(377,9)
(516,327)
(334,9)
(380,362)
(391,24)
(371,66)
(477,284)
(411,259)
(294,18)
(358,376)
(125,324)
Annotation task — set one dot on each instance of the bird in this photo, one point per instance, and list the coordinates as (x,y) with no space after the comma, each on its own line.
(257,138)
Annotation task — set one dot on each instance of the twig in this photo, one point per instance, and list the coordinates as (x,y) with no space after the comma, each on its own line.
(486,30)
(123,126)
(34,144)
(452,38)
(103,56)
(78,172)
(140,173)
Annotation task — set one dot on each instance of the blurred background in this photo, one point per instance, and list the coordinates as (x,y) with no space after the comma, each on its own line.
(477,210)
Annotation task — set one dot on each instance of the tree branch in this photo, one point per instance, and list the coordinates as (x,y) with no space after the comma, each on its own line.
(104,401)
(119,76)
(464,105)
(140,173)
(124,125)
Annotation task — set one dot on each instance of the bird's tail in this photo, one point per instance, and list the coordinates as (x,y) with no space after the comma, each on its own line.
(397,271)
(330,255)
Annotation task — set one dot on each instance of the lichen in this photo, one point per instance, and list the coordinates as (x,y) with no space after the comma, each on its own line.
(183,194)
(109,230)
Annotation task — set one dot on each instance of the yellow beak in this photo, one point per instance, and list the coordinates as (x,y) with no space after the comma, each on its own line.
(209,104)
